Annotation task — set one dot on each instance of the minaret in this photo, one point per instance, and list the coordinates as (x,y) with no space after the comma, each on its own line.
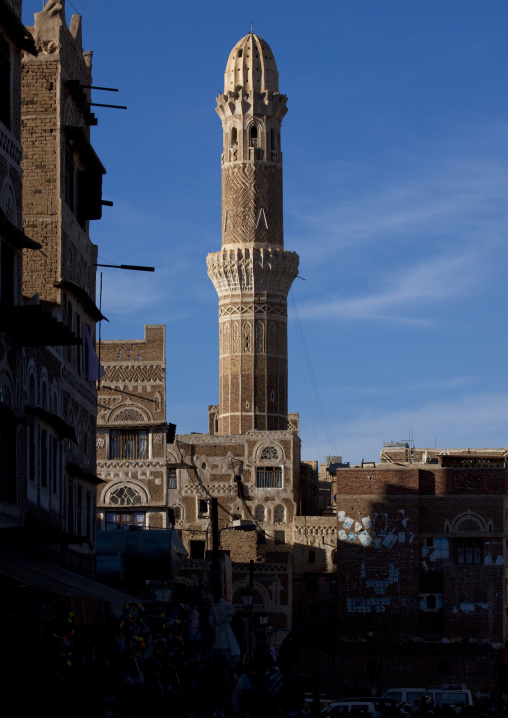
(253,272)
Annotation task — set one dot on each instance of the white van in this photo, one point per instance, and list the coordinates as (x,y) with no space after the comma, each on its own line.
(441,696)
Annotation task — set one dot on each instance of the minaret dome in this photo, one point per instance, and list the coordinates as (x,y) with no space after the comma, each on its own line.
(251,65)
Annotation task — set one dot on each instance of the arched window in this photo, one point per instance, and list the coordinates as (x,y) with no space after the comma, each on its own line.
(32,391)
(278,514)
(125,496)
(9,203)
(259,514)
(273,139)
(44,395)
(253,136)
(269,452)
(234,137)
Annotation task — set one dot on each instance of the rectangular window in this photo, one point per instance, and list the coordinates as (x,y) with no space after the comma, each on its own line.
(128,444)
(55,465)
(171,478)
(197,549)
(203,507)
(124,521)
(31,451)
(269,477)
(78,348)
(70,179)
(70,508)
(79,511)
(44,458)
(469,551)
(280,537)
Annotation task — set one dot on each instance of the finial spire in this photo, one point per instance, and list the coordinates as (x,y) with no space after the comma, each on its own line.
(251,27)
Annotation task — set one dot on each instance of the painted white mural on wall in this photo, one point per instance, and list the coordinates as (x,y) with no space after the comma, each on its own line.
(374,531)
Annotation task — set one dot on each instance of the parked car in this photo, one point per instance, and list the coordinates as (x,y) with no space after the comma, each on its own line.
(380,702)
(451,695)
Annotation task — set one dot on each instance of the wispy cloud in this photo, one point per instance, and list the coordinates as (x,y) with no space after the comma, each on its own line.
(455,187)
(468,420)
(423,231)
(405,289)
(412,387)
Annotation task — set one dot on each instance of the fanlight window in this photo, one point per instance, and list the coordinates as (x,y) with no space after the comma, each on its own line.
(125,496)
(468,525)
(269,452)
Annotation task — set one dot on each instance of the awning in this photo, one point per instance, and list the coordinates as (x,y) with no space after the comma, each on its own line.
(15,236)
(48,576)
(32,326)
(83,298)
(86,152)
(80,473)
(62,428)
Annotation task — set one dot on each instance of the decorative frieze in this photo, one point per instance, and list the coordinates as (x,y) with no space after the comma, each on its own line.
(10,146)
(130,464)
(133,373)
(214,489)
(315,531)
(245,270)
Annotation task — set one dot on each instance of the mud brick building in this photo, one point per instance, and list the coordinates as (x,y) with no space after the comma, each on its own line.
(131,433)
(62,193)
(48,366)
(421,564)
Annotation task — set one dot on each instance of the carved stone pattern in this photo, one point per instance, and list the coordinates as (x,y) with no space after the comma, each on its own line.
(216,489)
(260,337)
(134,373)
(130,464)
(468,526)
(129,415)
(10,147)
(235,337)
(240,102)
(99,443)
(247,338)
(282,343)
(264,308)
(80,387)
(262,568)
(247,189)
(158,439)
(315,531)
(246,270)
(206,439)
(292,426)
(269,452)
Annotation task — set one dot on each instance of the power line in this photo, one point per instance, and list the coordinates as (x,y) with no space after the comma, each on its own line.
(312,378)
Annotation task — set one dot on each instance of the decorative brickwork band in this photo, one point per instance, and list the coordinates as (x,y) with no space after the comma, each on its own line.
(269,271)
(252,203)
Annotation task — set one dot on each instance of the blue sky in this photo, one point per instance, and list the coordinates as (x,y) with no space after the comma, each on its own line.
(395,179)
